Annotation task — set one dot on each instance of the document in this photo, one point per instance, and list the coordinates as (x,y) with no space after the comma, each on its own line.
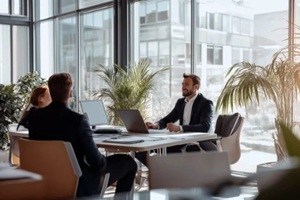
(122,139)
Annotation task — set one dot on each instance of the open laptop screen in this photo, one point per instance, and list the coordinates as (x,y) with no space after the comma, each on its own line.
(95,112)
(134,122)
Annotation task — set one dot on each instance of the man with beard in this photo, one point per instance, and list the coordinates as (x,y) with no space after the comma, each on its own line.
(194,113)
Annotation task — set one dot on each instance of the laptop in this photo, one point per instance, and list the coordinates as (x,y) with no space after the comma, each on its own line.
(134,123)
(96,114)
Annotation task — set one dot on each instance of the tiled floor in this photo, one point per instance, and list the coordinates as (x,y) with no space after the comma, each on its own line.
(245,166)
(249,161)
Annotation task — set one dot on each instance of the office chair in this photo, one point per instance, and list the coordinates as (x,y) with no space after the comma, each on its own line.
(56,162)
(14,155)
(229,128)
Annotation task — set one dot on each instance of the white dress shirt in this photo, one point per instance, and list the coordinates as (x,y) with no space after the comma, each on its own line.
(187,111)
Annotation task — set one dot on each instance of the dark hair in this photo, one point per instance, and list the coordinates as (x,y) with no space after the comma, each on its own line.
(60,85)
(195,78)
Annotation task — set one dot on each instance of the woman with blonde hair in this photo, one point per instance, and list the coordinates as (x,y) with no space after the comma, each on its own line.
(40,97)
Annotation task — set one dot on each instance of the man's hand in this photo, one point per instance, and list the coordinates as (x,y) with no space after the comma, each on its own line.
(151,125)
(172,127)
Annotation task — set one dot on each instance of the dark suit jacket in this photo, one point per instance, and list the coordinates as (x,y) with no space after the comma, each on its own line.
(201,116)
(58,122)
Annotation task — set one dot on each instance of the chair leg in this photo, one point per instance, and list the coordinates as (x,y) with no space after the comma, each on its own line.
(140,179)
(219,146)
(104,181)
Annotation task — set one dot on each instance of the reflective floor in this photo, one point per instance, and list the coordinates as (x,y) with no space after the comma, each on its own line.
(247,164)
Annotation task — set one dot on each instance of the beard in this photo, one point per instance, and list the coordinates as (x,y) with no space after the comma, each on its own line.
(187,93)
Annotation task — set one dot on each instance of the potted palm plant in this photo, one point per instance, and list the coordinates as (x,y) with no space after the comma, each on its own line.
(279,81)
(127,89)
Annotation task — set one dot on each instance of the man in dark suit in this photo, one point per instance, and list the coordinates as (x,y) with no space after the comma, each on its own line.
(194,112)
(58,122)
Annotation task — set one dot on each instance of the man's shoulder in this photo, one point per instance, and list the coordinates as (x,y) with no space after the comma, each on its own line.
(202,97)
(201,100)
(56,111)
(68,113)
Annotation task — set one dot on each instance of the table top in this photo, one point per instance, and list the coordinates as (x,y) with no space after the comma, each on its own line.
(147,141)
(9,173)
(153,141)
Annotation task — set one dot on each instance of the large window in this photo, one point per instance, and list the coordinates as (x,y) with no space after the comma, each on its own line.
(69,40)
(87,3)
(96,49)
(154,11)
(5,61)
(12,7)
(45,48)
(4,8)
(20,62)
(14,40)
(214,55)
(14,59)
(215,21)
(43,9)
(221,37)
(201,36)
(66,6)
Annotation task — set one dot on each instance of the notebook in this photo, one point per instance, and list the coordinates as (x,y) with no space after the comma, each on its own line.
(95,111)
(134,123)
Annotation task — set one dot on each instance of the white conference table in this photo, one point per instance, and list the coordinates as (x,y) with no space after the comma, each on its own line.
(17,183)
(148,142)
(153,141)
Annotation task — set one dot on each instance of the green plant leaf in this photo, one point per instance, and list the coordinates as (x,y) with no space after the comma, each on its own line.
(292,143)
(13,99)
(126,89)
(278,81)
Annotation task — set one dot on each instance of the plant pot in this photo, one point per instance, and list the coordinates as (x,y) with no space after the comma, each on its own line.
(280,181)
(264,172)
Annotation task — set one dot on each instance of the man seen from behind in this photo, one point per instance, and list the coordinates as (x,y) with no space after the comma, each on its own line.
(58,122)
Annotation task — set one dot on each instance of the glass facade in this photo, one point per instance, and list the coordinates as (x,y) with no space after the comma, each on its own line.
(5,54)
(96,48)
(4,8)
(45,48)
(43,9)
(20,51)
(222,33)
(205,37)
